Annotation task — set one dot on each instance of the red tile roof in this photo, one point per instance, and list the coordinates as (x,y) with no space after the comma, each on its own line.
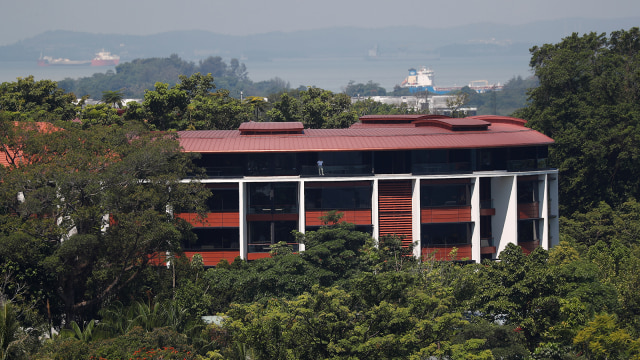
(430,132)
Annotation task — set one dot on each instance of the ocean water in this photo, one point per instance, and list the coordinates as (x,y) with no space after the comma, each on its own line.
(11,70)
(335,73)
(327,73)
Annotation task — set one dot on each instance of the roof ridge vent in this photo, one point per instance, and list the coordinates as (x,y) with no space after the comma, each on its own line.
(271,128)
(455,124)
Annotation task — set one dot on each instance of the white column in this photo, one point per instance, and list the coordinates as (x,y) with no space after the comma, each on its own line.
(301,212)
(242,213)
(554,221)
(475,218)
(416,219)
(543,192)
(375,218)
(504,224)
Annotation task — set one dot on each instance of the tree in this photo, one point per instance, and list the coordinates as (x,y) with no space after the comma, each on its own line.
(287,108)
(165,106)
(603,339)
(364,90)
(456,102)
(95,201)
(11,337)
(323,109)
(43,100)
(588,101)
(113,97)
(259,105)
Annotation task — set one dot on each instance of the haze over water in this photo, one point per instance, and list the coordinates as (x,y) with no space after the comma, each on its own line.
(326,73)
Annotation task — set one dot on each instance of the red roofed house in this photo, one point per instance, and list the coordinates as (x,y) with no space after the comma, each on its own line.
(476,184)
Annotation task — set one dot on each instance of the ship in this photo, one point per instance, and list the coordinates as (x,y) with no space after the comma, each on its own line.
(48,60)
(105,58)
(422,80)
(102,58)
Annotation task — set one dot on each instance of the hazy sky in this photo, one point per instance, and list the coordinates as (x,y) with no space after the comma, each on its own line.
(21,19)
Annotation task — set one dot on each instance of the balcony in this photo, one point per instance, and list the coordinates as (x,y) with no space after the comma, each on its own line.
(487,246)
(487,208)
(336,170)
(527,164)
(529,210)
(441,168)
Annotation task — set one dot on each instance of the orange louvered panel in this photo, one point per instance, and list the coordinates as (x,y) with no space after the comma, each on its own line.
(212,258)
(395,209)
(446,214)
(213,219)
(488,250)
(529,210)
(442,252)
(358,217)
(256,256)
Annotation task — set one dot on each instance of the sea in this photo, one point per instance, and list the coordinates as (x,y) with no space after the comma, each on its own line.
(327,73)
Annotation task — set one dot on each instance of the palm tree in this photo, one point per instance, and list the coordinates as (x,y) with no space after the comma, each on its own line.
(113,97)
(259,104)
(84,335)
(10,336)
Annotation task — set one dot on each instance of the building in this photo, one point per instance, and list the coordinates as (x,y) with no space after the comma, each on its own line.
(476,184)
(434,104)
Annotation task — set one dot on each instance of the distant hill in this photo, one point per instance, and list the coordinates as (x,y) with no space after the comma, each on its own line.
(401,42)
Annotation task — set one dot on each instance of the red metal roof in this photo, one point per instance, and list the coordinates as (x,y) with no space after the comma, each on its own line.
(500,132)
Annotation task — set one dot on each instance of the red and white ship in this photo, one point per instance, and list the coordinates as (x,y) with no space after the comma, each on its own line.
(105,58)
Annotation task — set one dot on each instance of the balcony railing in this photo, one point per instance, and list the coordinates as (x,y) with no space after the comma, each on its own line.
(279,209)
(527,164)
(441,168)
(486,204)
(266,247)
(486,241)
(336,170)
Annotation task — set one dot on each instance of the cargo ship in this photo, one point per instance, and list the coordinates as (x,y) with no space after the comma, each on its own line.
(48,60)
(105,58)
(422,80)
(102,58)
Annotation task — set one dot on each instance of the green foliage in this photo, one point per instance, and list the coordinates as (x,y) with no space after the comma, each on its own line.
(190,106)
(370,107)
(11,336)
(43,100)
(85,335)
(603,339)
(588,102)
(511,98)
(84,257)
(315,108)
(160,343)
(100,114)
(365,90)
(133,78)
(112,97)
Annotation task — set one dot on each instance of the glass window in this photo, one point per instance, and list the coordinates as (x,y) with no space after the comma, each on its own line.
(220,165)
(338,198)
(527,192)
(279,198)
(528,230)
(446,234)
(262,234)
(445,195)
(223,200)
(214,239)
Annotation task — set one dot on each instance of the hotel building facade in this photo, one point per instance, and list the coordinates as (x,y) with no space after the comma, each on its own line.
(475,184)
